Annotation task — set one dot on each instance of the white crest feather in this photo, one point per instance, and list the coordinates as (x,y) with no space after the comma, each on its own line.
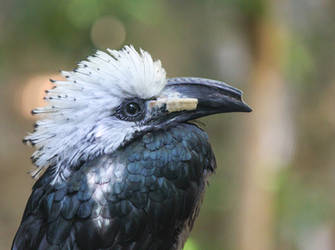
(77,123)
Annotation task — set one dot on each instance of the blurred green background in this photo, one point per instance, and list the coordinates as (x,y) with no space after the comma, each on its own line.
(274,186)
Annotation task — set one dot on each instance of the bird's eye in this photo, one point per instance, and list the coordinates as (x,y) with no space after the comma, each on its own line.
(131,110)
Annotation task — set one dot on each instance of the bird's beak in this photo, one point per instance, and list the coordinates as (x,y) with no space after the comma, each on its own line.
(189,98)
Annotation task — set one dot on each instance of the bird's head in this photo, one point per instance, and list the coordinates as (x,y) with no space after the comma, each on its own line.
(113,97)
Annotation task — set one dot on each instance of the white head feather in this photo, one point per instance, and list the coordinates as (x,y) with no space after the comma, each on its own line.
(77,123)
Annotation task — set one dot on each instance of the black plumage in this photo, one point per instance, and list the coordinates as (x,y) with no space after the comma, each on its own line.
(140,197)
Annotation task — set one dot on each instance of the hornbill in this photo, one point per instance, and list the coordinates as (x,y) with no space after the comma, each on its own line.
(124,166)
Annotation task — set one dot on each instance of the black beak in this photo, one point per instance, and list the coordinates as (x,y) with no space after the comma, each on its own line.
(206,96)
(213,96)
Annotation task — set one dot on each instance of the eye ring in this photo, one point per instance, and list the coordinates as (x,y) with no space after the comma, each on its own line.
(131,110)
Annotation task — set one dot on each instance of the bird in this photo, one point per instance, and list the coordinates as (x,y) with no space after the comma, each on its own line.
(120,162)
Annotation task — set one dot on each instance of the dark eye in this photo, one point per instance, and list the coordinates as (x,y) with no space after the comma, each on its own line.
(131,110)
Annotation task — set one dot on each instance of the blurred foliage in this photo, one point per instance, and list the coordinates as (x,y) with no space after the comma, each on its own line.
(299,63)
(300,206)
(191,245)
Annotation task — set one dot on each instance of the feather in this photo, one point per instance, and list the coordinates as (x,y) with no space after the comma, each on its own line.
(79,108)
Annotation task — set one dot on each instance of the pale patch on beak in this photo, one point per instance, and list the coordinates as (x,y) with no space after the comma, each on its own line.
(175,104)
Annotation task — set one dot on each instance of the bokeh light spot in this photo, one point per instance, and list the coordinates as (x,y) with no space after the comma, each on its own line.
(108,32)
(32,93)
